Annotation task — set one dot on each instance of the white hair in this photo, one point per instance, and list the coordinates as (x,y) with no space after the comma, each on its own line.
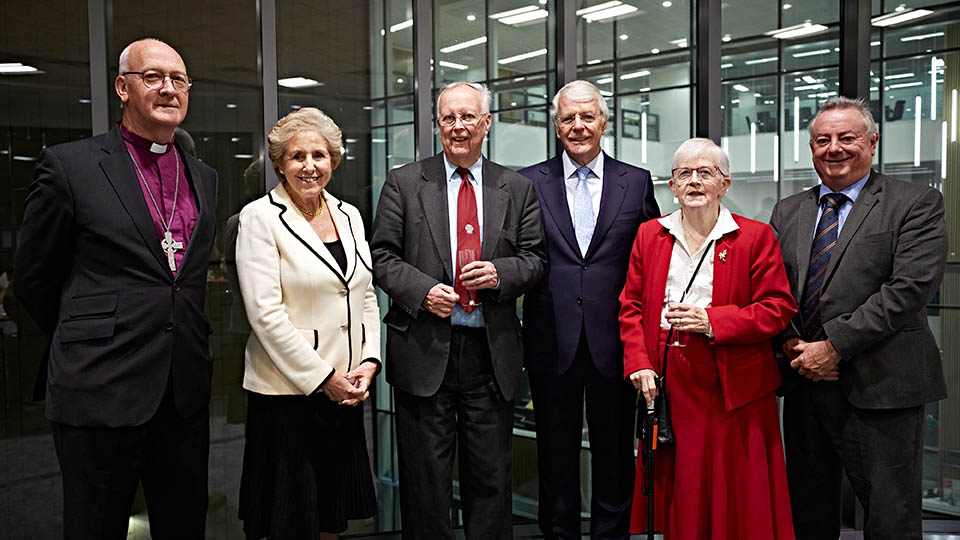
(843,102)
(580,92)
(124,63)
(486,97)
(696,147)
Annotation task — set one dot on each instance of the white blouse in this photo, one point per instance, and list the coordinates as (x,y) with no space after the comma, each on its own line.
(683,263)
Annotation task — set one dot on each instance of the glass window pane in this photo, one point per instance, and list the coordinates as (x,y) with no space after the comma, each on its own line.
(601,75)
(399,35)
(749,18)
(594,37)
(660,71)
(822,50)
(751,138)
(652,126)
(804,11)
(400,145)
(400,109)
(378,41)
(518,41)
(518,137)
(460,41)
(749,58)
(923,35)
(802,94)
(519,92)
(656,27)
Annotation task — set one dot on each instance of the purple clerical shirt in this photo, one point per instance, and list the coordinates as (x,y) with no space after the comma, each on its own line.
(158,172)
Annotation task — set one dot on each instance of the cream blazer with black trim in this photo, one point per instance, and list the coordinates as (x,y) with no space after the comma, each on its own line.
(309,319)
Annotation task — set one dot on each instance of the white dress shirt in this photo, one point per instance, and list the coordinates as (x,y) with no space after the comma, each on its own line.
(594,183)
(683,263)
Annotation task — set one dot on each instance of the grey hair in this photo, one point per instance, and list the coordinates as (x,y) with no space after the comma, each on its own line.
(693,148)
(305,119)
(843,102)
(486,97)
(124,62)
(580,92)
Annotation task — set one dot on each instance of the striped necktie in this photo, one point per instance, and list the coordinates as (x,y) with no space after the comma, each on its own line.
(824,240)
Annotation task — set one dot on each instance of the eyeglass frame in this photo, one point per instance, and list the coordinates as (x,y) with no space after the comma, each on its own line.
(163,81)
(673,172)
(573,119)
(440,120)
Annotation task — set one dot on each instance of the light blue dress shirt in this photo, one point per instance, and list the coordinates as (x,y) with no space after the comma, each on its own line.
(459,316)
(852,192)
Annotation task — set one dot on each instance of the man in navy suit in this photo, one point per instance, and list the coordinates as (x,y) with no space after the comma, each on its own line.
(592,205)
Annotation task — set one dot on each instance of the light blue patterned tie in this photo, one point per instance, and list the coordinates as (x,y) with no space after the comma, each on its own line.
(583,210)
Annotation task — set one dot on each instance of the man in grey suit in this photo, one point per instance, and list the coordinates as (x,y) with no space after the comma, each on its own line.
(456,239)
(864,253)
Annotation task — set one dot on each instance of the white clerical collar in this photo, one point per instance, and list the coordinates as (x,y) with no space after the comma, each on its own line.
(158,148)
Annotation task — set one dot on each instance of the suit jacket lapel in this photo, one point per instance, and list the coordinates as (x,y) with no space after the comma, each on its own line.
(611,199)
(345,229)
(554,201)
(433,200)
(300,227)
(203,210)
(120,173)
(807,221)
(495,201)
(867,199)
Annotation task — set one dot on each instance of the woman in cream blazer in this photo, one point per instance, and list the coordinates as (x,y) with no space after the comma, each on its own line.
(305,276)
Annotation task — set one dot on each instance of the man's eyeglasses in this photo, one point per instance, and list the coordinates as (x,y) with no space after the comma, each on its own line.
(705,174)
(586,118)
(467,119)
(154,80)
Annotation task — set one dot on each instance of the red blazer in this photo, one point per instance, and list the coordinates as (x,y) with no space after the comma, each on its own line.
(751,304)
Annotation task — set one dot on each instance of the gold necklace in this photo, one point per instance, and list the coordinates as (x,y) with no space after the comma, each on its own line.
(306,213)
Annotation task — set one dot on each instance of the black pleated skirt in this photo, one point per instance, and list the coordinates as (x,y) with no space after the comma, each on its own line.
(305,467)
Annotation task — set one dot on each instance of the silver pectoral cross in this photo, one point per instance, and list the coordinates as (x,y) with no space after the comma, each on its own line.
(170,247)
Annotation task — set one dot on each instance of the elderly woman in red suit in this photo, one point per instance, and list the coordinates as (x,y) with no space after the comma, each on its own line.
(725,476)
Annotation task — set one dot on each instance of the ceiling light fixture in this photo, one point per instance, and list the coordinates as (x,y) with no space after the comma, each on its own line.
(798,30)
(401,26)
(298,82)
(900,16)
(464,45)
(524,56)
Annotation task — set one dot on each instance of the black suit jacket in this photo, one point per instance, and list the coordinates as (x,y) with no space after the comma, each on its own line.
(411,254)
(90,271)
(584,291)
(887,265)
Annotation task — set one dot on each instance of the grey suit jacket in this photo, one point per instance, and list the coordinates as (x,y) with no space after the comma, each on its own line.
(887,265)
(411,253)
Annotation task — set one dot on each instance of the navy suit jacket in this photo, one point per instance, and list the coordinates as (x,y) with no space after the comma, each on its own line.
(583,291)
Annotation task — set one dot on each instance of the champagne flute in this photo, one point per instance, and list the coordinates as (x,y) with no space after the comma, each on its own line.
(680,337)
(465,257)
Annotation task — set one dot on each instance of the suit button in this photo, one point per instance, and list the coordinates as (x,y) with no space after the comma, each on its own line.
(344,327)
(580,300)
(177,288)
(167,327)
(342,292)
(584,266)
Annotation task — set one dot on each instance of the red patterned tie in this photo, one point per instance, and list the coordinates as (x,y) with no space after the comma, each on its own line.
(468,235)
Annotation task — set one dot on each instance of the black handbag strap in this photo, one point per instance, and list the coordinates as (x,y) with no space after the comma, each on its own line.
(663,367)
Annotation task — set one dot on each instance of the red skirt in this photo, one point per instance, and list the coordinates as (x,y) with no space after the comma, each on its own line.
(725,477)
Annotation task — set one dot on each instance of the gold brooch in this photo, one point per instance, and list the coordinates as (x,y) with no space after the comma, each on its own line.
(723,256)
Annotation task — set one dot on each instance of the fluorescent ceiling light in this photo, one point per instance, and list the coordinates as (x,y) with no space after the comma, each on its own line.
(811,53)
(605,80)
(598,7)
(725,66)
(512,12)
(740,88)
(605,10)
(810,80)
(891,19)
(899,76)
(594,61)
(804,29)
(874,43)
(524,56)
(15,68)
(453,65)
(808,87)
(605,93)
(464,45)
(400,26)
(922,36)
(682,42)
(634,75)
(298,82)
(520,15)
(243,156)
(760,60)
(905,85)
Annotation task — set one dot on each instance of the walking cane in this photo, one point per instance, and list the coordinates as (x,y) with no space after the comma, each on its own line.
(649,448)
